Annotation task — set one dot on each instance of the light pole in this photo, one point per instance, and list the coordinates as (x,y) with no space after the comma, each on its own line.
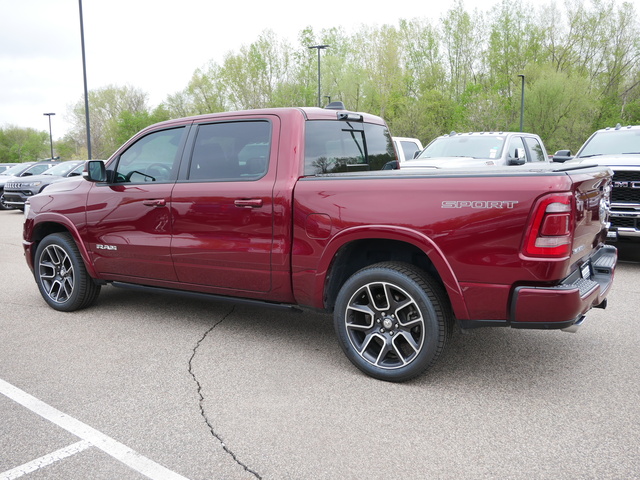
(50,136)
(319,47)
(522,105)
(84,73)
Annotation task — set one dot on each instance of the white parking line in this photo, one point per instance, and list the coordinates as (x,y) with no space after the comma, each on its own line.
(44,461)
(117,450)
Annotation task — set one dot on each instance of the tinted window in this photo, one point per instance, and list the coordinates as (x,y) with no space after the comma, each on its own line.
(409,149)
(332,146)
(153,158)
(231,151)
(535,149)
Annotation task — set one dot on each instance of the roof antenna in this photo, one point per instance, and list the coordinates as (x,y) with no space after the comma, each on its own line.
(335,106)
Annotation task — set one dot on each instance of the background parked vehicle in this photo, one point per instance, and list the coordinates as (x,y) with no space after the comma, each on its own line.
(407,147)
(18,190)
(5,166)
(21,170)
(6,175)
(619,149)
(478,149)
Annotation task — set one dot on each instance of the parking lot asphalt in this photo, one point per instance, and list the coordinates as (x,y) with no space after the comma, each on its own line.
(152,386)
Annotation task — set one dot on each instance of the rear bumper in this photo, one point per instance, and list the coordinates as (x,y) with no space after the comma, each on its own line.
(566,304)
(562,306)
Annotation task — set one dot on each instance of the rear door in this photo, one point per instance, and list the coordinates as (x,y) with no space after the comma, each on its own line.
(223,205)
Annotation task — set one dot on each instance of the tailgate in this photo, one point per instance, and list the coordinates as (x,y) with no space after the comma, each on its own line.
(592,191)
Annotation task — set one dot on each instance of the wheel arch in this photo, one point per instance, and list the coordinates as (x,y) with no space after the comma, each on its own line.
(51,225)
(351,251)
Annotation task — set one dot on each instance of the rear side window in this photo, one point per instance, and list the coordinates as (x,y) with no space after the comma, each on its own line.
(535,149)
(231,151)
(409,149)
(333,146)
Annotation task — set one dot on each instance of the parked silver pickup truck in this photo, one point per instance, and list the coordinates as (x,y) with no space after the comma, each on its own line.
(478,149)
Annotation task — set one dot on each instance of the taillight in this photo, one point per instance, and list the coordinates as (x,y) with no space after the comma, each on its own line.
(551,231)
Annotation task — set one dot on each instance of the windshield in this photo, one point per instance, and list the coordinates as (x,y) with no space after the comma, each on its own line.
(489,147)
(62,169)
(612,142)
(16,169)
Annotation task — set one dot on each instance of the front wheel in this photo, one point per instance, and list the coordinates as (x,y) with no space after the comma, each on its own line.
(61,276)
(3,205)
(392,320)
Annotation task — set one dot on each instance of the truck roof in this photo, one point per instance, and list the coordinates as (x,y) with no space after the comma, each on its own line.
(308,113)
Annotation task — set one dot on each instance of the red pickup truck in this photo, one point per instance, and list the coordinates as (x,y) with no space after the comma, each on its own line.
(291,207)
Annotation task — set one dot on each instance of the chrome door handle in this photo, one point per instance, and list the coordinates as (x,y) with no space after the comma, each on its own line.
(248,202)
(155,202)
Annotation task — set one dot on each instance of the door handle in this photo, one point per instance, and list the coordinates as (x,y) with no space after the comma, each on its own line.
(155,202)
(248,202)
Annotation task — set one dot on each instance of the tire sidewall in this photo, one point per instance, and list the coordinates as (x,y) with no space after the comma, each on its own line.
(65,242)
(433,328)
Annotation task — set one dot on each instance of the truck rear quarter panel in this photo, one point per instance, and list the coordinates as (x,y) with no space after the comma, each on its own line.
(470,227)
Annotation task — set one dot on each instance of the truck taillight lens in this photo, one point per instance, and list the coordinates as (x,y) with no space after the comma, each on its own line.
(551,231)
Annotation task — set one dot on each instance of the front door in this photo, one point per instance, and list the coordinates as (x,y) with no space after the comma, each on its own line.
(129,218)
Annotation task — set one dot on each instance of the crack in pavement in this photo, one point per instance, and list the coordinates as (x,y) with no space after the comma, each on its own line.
(216,435)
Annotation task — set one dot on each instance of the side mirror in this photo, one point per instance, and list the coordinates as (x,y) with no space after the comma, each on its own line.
(95,171)
(562,156)
(519,159)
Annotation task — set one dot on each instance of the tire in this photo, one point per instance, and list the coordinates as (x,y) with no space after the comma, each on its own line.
(392,320)
(3,205)
(61,276)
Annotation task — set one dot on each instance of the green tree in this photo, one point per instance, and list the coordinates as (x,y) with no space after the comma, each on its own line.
(105,107)
(462,46)
(559,107)
(130,123)
(23,144)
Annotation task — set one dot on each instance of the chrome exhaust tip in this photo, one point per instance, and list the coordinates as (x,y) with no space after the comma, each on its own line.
(574,328)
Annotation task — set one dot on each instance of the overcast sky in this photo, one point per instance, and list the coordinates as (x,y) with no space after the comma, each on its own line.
(153,45)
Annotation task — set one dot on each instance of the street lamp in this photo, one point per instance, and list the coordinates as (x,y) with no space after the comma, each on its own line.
(319,47)
(50,136)
(522,105)
(86,92)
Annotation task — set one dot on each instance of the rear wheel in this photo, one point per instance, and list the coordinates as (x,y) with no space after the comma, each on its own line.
(392,320)
(61,276)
